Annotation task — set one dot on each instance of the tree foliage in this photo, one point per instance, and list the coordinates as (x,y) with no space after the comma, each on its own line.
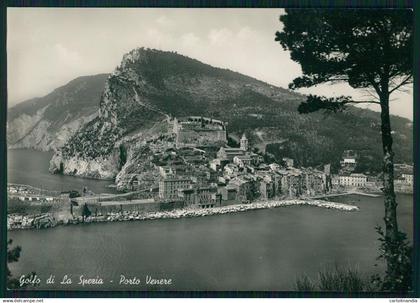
(360,47)
(315,103)
(338,279)
(13,255)
(399,255)
(123,155)
(371,50)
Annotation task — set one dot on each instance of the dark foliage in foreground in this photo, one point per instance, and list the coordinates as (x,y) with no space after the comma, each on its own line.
(336,279)
(367,49)
(13,255)
(399,254)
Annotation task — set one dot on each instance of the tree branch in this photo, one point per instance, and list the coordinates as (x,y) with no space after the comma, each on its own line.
(371,94)
(363,101)
(407,80)
(338,79)
(375,85)
(308,81)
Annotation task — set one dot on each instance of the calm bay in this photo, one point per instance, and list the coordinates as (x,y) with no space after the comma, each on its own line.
(256,250)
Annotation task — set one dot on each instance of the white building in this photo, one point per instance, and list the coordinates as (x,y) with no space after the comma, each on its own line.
(215,164)
(274,166)
(230,169)
(288,162)
(408,179)
(352,180)
(242,161)
(244,143)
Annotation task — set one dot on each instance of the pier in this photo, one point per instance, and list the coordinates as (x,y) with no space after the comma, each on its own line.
(346,194)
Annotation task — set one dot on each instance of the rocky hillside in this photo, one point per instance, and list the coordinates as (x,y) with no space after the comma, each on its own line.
(150,86)
(46,123)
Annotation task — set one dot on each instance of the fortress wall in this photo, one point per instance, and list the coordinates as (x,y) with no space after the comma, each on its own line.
(200,136)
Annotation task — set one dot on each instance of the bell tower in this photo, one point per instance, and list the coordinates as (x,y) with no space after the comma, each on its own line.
(244,143)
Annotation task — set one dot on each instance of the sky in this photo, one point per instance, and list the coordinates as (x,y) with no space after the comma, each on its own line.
(48,47)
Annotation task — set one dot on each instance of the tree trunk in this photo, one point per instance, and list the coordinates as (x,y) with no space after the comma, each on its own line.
(391,226)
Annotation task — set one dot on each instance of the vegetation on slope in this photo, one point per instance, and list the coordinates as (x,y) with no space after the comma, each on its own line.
(149,84)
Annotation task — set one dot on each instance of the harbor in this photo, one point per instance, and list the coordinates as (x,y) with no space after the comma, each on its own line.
(287,238)
(26,222)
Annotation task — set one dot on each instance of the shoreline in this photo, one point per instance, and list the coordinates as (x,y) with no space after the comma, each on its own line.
(194,212)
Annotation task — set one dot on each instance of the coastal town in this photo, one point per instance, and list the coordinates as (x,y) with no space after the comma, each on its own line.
(196,173)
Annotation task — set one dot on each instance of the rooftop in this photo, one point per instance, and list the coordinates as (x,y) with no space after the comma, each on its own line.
(358,175)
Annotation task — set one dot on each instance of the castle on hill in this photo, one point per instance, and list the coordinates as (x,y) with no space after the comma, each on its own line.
(196,131)
(199,131)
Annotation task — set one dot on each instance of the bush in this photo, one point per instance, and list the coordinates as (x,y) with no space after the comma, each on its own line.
(304,284)
(13,255)
(336,279)
(398,255)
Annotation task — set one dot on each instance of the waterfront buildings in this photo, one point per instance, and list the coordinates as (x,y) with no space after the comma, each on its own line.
(201,197)
(169,186)
(351,180)
(408,179)
(404,178)
(17,221)
(202,171)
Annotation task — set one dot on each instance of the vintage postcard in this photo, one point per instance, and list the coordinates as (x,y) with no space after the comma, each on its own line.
(210,149)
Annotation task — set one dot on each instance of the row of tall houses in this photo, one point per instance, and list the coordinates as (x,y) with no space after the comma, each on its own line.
(403,179)
(202,197)
(170,185)
(238,175)
(175,188)
(243,186)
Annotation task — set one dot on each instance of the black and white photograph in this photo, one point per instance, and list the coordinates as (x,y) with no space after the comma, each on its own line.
(210,149)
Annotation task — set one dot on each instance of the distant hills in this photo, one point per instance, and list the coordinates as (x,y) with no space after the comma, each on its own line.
(150,86)
(46,123)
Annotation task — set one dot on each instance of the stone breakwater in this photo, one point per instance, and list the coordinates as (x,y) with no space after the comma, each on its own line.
(193,212)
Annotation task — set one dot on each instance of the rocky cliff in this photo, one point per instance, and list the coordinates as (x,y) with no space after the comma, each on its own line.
(47,123)
(151,86)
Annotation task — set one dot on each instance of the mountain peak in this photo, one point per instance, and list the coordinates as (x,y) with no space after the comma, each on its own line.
(152,86)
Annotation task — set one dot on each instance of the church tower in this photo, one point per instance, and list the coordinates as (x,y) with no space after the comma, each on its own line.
(244,143)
